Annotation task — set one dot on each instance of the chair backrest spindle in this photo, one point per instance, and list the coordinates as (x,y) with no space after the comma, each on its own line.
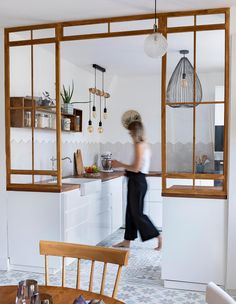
(78,275)
(91,276)
(103,278)
(92,253)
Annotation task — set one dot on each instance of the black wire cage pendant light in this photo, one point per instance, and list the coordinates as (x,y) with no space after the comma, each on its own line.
(180,88)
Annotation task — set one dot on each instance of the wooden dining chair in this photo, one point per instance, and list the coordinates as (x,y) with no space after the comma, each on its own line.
(216,295)
(92,253)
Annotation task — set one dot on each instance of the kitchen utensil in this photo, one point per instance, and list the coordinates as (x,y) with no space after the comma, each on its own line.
(106,161)
(79,167)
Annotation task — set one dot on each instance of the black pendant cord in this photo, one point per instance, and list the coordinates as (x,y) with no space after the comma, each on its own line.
(90,116)
(100,109)
(105,105)
(95,86)
(155,12)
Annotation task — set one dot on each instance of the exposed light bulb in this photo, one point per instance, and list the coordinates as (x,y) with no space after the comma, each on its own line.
(94,112)
(90,126)
(100,128)
(105,114)
(184,81)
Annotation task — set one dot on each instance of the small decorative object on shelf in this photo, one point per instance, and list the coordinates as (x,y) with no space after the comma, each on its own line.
(66,124)
(27,119)
(47,100)
(66,97)
(201,161)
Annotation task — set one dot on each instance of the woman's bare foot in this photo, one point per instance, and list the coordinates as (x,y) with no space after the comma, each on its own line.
(123,244)
(159,246)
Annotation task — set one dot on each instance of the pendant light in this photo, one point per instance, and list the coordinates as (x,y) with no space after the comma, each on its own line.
(181,84)
(155,45)
(90,124)
(101,94)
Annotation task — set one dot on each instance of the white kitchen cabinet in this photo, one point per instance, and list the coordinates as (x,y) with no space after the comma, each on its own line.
(153,200)
(194,247)
(65,217)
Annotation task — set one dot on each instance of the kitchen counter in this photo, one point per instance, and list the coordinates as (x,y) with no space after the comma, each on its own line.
(104,176)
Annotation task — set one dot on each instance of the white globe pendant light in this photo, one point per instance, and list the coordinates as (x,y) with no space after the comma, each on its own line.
(155,45)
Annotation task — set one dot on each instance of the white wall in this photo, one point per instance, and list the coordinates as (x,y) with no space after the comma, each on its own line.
(3,203)
(231,258)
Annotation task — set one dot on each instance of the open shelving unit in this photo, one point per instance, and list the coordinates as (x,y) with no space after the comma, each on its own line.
(20,105)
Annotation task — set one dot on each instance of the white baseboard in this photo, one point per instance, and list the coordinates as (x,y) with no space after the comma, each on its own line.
(185,285)
(3,263)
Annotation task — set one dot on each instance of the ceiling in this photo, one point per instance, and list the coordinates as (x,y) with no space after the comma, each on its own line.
(25,12)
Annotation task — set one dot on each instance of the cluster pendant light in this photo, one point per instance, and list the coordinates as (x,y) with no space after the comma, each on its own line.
(155,45)
(94,94)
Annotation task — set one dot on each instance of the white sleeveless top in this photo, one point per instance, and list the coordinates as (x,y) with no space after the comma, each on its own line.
(146,160)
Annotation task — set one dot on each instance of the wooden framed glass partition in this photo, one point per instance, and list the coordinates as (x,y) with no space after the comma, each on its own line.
(194,132)
(52,34)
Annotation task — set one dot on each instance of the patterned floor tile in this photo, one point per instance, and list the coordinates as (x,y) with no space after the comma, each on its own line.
(140,280)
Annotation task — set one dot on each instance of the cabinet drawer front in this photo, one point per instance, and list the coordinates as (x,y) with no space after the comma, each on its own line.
(154,182)
(154,195)
(76,216)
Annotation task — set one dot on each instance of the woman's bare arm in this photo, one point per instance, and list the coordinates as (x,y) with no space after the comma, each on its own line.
(136,166)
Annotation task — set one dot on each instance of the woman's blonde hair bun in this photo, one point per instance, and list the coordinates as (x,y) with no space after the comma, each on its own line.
(130,116)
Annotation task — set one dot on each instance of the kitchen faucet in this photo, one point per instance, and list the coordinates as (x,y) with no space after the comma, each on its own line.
(53,159)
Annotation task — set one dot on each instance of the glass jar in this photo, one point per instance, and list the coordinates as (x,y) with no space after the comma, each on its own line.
(66,124)
(77,123)
(27,119)
(52,121)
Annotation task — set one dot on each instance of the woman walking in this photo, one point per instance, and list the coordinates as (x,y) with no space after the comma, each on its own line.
(136,220)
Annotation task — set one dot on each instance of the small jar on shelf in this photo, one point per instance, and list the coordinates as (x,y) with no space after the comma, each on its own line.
(66,124)
(27,119)
(77,123)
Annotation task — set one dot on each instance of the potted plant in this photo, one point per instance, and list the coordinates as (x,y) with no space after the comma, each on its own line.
(66,96)
(201,161)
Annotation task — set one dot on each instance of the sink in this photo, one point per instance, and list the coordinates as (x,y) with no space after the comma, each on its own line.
(87,185)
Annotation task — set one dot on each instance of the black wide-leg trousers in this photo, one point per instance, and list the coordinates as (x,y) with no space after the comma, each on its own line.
(136,220)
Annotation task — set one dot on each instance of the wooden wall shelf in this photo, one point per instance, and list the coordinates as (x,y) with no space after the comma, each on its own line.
(19,106)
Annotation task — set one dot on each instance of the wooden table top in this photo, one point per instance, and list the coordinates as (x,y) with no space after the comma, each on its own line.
(60,295)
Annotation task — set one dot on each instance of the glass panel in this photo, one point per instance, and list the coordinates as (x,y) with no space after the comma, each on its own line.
(20,71)
(179,137)
(21,179)
(180,21)
(210,62)
(211,19)
(45,33)
(170,182)
(45,113)
(85,29)
(20,114)
(21,148)
(45,180)
(209,138)
(217,184)
(132,25)
(19,36)
(180,68)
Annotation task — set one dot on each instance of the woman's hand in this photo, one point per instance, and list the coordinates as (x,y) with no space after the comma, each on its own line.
(116,164)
